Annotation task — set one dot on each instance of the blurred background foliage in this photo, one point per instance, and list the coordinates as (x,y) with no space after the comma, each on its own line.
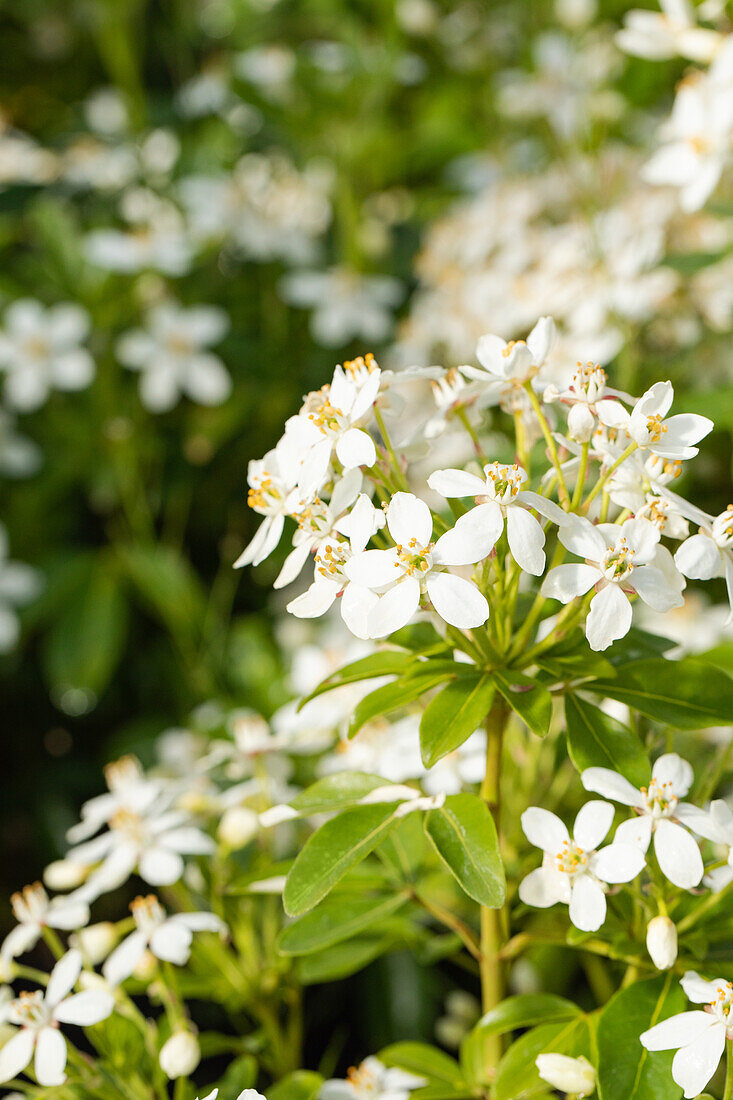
(133,518)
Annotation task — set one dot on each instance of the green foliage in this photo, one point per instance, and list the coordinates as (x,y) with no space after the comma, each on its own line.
(595,739)
(452,715)
(464,836)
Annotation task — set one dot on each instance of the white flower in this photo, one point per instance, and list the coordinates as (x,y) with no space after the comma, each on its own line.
(589,399)
(272,482)
(619,559)
(515,362)
(347,305)
(349,512)
(171,355)
(19,583)
(157,240)
(573,871)
(154,843)
(372,1081)
(660,811)
(499,496)
(129,789)
(167,937)
(672,32)
(38,1016)
(415,565)
(331,581)
(40,351)
(574,1075)
(670,438)
(247,1094)
(717,825)
(19,455)
(698,1036)
(330,422)
(180,1055)
(709,553)
(661,942)
(34,911)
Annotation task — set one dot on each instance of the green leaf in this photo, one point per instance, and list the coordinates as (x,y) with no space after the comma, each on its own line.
(335,919)
(335,792)
(464,836)
(419,637)
(688,694)
(387,663)
(639,1074)
(303,1084)
(517,1077)
(424,1061)
(338,845)
(240,1074)
(85,643)
(597,740)
(531,701)
(453,715)
(638,645)
(399,693)
(340,960)
(168,585)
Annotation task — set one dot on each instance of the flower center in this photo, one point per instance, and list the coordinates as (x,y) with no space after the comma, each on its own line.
(571,858)
(179,344)
(36,347)
(589,380)
(723,527)
(129,823)
(655,428)
(413,558)
(618,561)
(330,560)
(147,912)
(29,1010)
(123,772)
(360,368)
(446,390)
(30,904)
(504,482)
(315,519)
(659,798)
(362,1079)
(325,416)
(721,1006)
(264,495)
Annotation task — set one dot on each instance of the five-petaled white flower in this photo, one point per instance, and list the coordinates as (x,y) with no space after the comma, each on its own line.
(129,788)
(573,871)
(171,354)
(500,496)
(515,362)
(671,438)
(372,1080)
(660,812)
(34,911)
(697,1036)
(671,32)
(589,399)
(38,1016)
(415,565)
(40,350)
(272,494)
(167,937)
(619,559)
(709,553)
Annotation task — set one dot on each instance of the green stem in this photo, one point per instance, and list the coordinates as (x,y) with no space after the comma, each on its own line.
(463,417)
(728,1087)
(582,471)
(562,488)
(609,472)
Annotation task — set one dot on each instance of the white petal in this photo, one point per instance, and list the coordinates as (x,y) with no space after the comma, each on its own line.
(611,785)
(373,568)
(199,922)
(541,339)
(73,370)
(346,491)
(293,565)
(678,854)
(526,539)
(579,536)
(697,989)
(188,840)
(356,448)
(654,588)
(678,1030)
(50,1060)
(592,824)
(63,977)
(123,960)
(544,887)
(637,831)
(16,1054)
(356,605)
(544,829)
(315,601)
(159,390)
(472,538)
(457,600)
(67,915)
(85,1009)
(315,466)
(618,862)
(172,942)
(456,483)
(587,904)
(161,867)
(609,617)
(695,1064)
(408,518)
(565,582)
(686,429)
(207,381)
(22,938)
(545,507)
(394,609)
(671,768)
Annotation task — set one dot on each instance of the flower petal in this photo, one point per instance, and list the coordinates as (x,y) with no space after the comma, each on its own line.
(544,887)
(394,609)
(544,829)
(565,582)
(50,1060)
(16,1054)
(123,960)
(373,568)
(678,1030)
(456,483)
(526,539)
(579,536)
(618,862)
(472,538)
(356,448)
(592,824)
(609,617)
(587,904)
(678,854)
(695,1064)
(611,785)
(457,600)
(63,977)
(637,831)
(697,989)
(85,1009)
(409,518)
(671,768)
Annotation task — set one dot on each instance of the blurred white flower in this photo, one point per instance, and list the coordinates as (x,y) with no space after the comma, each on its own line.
(40,350)
(157,239)
(19,584)
(347,305)
(34,911)
(371,1080)
(172,357)
(167,937)
(671,32)
(571,1075)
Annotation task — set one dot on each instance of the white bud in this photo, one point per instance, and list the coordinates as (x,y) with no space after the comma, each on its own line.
(96,941)
(65,874)
(180,1055)
(661,942)
(568,1074)
(237,826)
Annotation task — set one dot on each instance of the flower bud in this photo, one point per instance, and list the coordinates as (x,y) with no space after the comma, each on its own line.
(180,1055)
(661,942)
(96,941)
(574,1075)
(237,826)
(64,874)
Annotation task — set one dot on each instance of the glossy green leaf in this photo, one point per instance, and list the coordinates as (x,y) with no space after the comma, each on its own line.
(517,1077)
(626,1071)
(595,739)
(452,715)
(526,1010)
(336,791)
(327,855)
(304,1084)
(340,960)
(423,677)
(168,585)
(688,694)
(464,836)
(531,701)
(423,1060)
(335,919)
(637,645)
(386,663)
